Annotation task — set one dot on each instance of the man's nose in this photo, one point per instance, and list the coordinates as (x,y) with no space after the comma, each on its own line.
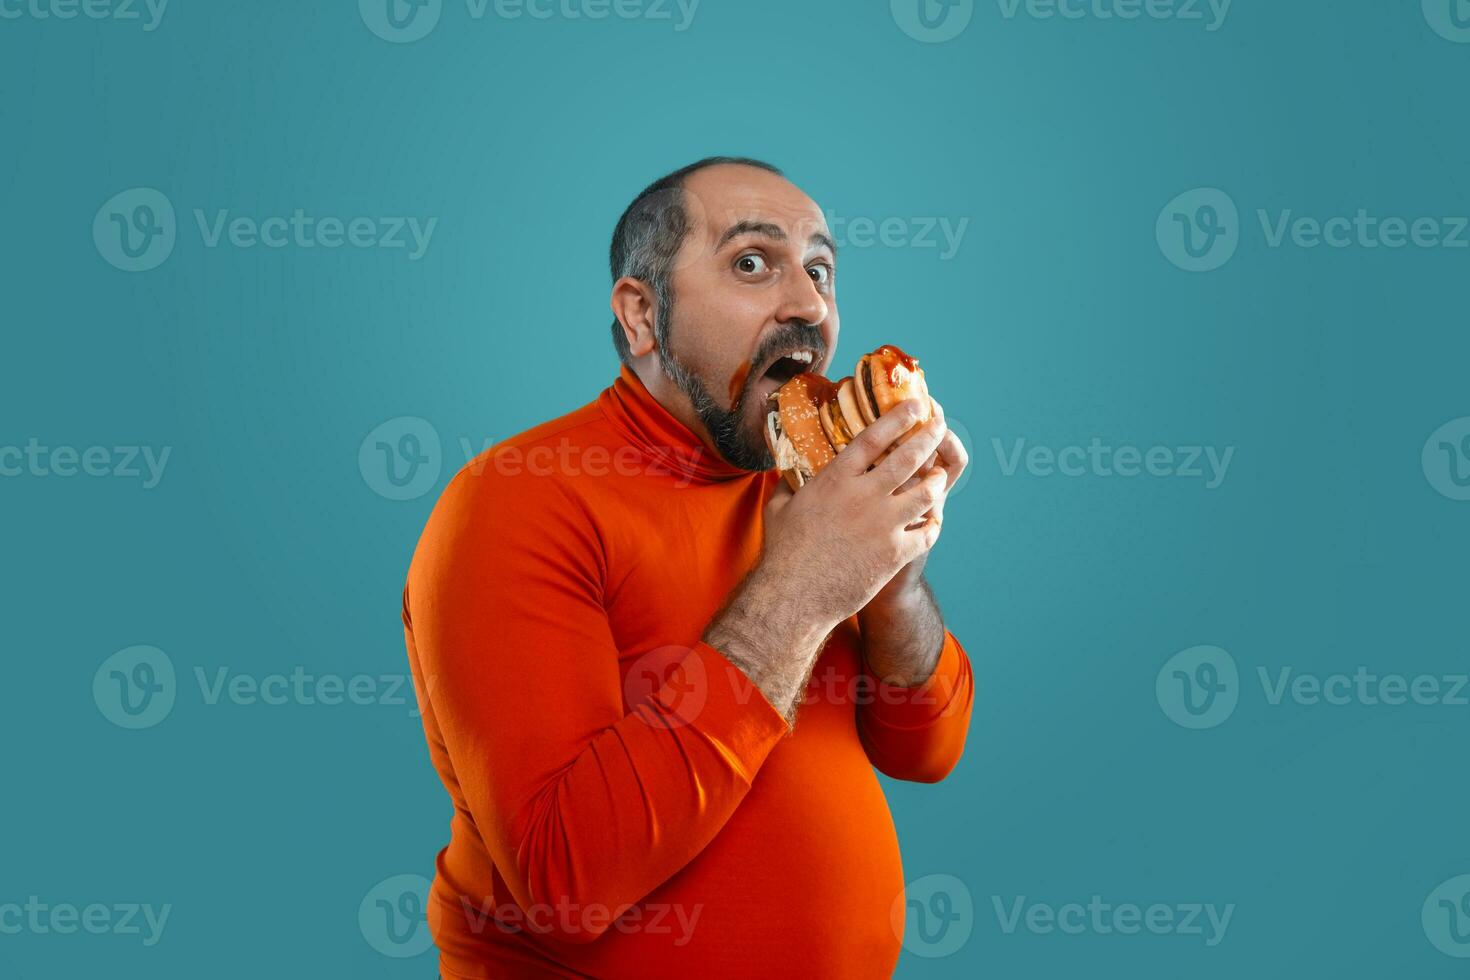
(800,300)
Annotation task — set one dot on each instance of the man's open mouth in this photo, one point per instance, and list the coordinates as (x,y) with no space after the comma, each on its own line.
(788,366)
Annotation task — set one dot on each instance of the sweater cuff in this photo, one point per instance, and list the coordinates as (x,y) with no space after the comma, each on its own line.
(921,706)
(735,714)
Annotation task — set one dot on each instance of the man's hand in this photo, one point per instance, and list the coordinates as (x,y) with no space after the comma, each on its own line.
(904,588)
(828,550)
(861,518)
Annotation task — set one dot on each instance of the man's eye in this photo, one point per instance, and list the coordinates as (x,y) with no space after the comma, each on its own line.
(820,273)
(751,264)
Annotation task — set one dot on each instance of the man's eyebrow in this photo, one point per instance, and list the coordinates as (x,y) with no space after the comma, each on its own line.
(751,228)
(773,232)
(824,240)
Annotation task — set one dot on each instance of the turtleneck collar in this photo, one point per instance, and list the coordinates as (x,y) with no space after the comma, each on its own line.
(644,422)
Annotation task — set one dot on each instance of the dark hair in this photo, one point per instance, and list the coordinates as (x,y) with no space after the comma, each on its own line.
(650,232)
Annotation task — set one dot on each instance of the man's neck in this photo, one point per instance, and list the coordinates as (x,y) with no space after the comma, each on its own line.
(672,398)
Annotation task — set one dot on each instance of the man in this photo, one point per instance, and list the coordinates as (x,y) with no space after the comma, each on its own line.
(655,682)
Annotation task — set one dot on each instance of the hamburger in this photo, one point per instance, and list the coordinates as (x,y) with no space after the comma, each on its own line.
(809,419)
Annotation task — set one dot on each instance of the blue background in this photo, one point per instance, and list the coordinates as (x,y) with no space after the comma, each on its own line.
(1059,319)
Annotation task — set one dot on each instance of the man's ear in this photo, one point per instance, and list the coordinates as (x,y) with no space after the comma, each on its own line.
(633,303)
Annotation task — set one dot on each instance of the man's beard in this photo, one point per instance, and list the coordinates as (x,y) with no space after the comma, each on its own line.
(725,427)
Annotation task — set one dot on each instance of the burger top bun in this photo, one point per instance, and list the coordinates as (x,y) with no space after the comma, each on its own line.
(893,376)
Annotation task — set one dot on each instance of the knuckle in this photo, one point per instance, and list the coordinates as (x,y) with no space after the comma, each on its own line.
(893,549)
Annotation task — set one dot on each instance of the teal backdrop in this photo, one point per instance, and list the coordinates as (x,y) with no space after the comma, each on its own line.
(1190,280)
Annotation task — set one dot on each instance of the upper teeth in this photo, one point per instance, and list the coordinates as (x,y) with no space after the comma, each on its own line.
(804,356)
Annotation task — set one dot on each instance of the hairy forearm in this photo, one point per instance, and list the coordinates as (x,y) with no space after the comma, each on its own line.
(903,636)
(770,638)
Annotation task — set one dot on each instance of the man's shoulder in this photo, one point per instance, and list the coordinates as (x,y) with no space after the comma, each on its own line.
(581,427)
(536,465)
(514,502)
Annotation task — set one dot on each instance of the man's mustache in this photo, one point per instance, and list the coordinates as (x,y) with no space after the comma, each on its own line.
(801,335)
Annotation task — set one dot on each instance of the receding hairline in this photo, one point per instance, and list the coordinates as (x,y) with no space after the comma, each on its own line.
(747,219)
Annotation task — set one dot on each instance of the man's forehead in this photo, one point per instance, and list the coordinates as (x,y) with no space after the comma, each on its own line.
(719,198)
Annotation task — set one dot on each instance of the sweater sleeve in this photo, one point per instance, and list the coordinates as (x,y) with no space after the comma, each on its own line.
(918,733)
(579,799)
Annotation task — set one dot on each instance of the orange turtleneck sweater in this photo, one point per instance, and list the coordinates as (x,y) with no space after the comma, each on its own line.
(626,802)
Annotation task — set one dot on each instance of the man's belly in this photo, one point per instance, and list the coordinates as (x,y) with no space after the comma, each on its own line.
(803,875)
(807,870)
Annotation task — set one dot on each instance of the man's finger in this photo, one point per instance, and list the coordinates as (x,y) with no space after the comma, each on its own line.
(924,497)
(870,443)
(904,461)
(952,453)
